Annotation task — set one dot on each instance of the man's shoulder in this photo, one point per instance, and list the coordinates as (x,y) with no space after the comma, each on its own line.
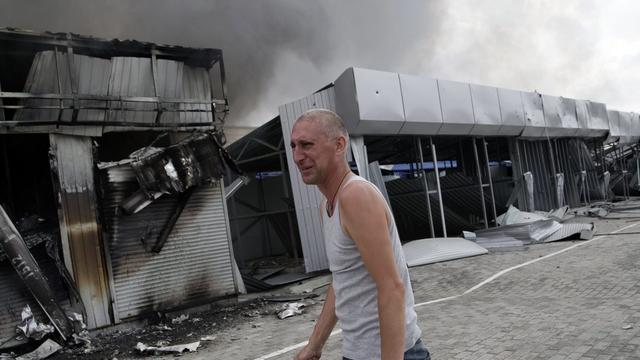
(358,193)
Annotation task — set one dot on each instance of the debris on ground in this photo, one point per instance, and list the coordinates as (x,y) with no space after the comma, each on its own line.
(627,327)
(429,251)
(30,327)
(180,319)
(157,350)
(46,349)
(208,338)
(290,309)
(519,228)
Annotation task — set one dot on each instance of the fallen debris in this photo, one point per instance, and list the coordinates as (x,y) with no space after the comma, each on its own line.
(208,338)
(30,327)
(180,319)
(627,327)
(429,251)
(156,350)
(31,274)
(46,349)
(290,309)
(519,228)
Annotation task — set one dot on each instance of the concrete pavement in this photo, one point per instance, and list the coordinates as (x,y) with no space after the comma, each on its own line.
(583,303)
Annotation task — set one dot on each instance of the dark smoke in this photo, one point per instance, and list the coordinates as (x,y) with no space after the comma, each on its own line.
(275,50)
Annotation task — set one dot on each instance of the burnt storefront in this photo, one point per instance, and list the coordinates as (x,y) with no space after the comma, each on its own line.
(111,167)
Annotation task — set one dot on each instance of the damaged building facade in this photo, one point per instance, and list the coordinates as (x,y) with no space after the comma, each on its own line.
(111,167)
(448,157)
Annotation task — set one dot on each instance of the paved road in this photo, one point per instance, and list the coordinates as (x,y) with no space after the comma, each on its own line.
(583,303)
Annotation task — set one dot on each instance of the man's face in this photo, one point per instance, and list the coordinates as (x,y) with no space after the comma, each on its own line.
(313,151)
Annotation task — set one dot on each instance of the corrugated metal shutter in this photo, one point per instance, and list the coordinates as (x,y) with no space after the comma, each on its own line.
(306,198)
(195,263)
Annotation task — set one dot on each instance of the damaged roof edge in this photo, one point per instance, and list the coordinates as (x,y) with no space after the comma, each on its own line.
(202,56)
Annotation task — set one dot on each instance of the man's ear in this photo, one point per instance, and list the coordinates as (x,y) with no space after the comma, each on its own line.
(341,144)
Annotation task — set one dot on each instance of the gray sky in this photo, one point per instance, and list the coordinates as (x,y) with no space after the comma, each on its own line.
(279,50)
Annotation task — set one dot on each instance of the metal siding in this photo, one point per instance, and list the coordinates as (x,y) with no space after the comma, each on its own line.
(132,76)
(379,102)
(614,126)
(627,128)
(486,110)
(307,199)
(457,108)
(43,79)
(533,115)
(194,265)
(598,118)
(582,114)
(196,85)
(73,157)
(345,100)
(421,105)
(92,77)
(511,111)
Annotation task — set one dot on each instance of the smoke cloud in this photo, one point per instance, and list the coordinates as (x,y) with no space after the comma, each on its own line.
(279,50)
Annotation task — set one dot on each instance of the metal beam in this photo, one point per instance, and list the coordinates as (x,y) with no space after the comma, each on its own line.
(437,171)
(477,160)
(425,183)
(493,198)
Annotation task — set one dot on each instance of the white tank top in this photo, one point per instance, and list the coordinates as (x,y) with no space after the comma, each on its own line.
(356,292)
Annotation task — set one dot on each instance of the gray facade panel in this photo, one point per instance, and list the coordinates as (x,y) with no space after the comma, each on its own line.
(511,111)
(486,110)
(533,115)
(421,105)
(457,108)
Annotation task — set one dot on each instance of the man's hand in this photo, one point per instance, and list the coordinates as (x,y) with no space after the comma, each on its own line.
(307,353)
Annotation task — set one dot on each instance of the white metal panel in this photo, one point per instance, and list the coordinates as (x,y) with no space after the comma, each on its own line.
(559,116)
(486,110)
(306,198)
(627,128)
(582,115)
(457,109)
(511,111)
(371,100)
(346,104)
(429,251)
(421,102)
(598,120)
(533,115)
(195,264)
(635,124)
(614,126)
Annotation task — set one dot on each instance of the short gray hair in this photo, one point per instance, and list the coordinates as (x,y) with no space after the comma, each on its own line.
(331,123)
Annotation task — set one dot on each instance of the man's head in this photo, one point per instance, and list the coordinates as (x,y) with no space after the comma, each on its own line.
(319,144)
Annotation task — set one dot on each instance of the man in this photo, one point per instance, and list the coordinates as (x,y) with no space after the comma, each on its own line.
(371,292)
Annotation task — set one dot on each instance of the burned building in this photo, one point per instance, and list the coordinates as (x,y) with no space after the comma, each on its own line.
(111,166)
(448,156)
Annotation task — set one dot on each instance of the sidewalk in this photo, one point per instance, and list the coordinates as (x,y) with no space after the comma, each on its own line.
(583,303)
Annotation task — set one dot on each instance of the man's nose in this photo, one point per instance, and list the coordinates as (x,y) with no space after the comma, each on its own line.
(298,155)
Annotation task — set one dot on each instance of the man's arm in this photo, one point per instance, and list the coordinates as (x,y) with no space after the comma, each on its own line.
(324,325)
(364,218)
